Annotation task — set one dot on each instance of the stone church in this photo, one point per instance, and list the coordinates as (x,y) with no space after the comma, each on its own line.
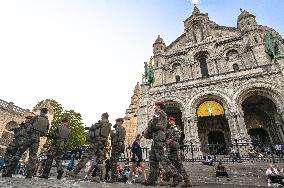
(219,83)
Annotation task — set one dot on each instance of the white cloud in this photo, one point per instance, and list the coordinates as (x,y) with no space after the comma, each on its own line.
(195,2)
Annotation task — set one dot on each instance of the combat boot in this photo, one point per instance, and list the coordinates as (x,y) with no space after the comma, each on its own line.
(6,175)
(96,179)
(187,183)
(148,183)
(43,176)
(60,174)
(71,174)
(176,180)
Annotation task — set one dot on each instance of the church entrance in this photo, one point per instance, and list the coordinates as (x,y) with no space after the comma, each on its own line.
(216,140)
(263,122)
(259,137)
(213,128)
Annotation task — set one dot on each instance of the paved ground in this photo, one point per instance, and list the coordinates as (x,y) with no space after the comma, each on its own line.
(21,182)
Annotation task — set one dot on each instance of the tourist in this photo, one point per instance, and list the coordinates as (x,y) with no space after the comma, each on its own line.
(273,176)
(207,160)
(71,163)
(221,171)
(278,148)
(136,160)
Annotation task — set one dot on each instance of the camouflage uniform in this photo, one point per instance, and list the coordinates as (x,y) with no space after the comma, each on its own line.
(11,149)
(117,147)
(27,138)
(60,136)
(97,141)
(174,133)
(156,131)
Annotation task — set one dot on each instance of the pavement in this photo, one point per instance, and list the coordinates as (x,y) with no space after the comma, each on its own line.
(19,181)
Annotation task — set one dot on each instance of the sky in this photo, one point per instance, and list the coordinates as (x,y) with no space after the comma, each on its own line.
(88,54)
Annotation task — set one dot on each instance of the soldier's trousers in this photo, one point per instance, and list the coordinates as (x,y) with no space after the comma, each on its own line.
(96,149)
(115,154)
(176,160)
(156,156)
(54,153)
(20,145)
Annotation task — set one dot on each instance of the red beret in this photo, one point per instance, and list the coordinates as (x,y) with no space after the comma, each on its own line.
(105,115)
(29,117)
(171,118)
(159,103)
(119,120)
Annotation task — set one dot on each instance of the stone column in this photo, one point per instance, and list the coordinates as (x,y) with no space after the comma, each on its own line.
(191,136)
(239,132)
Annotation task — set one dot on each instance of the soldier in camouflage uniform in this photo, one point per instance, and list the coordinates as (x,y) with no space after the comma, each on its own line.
(11,150)
(173,134)
(28,138)
(97,137)
(156,131)
(117,146)
(60,136)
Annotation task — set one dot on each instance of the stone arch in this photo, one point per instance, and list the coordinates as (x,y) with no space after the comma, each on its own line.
(260,88)
(176,99)
(215,95)
(11,125)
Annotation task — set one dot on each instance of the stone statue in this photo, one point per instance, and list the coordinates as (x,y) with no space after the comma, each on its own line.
(272,46)
(148,75)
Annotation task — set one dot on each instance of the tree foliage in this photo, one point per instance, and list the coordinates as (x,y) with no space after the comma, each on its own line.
(77,135)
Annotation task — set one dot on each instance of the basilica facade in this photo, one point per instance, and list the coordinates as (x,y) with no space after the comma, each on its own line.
(219,83)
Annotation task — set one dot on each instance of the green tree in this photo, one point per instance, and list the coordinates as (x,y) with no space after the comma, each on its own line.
(77,135)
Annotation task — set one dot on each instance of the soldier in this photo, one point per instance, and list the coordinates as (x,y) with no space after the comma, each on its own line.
(97,138)
(156,131)
(11,150)
(28,138)
(172,139)
(117,147)
(60,136)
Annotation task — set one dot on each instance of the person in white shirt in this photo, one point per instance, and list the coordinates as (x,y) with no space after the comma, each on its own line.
(273,176)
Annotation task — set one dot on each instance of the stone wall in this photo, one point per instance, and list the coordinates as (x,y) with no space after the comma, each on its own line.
(130,120)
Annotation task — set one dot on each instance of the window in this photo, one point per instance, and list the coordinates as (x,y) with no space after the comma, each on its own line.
(236,67)
(255,39)
(177,79)
(203,66)
(232,54)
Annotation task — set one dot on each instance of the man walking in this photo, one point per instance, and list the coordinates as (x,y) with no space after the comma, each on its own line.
(117,147)
(29,138)
(97,137)
(60,136)
(172,139)
(156,131)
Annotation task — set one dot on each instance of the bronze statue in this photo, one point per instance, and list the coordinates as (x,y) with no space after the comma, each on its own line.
(272,47)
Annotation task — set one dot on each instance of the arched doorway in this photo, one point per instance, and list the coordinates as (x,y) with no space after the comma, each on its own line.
(217,138)
(173,108)
(213,128)
(264,124)
(259,137)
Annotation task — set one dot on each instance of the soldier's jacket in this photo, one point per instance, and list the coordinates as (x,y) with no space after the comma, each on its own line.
(174,133)
(158,122)
(118,135)
(60,133)
(157,127)
(100,130)
(38,124)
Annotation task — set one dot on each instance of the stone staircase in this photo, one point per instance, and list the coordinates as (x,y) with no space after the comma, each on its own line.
(245,173)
